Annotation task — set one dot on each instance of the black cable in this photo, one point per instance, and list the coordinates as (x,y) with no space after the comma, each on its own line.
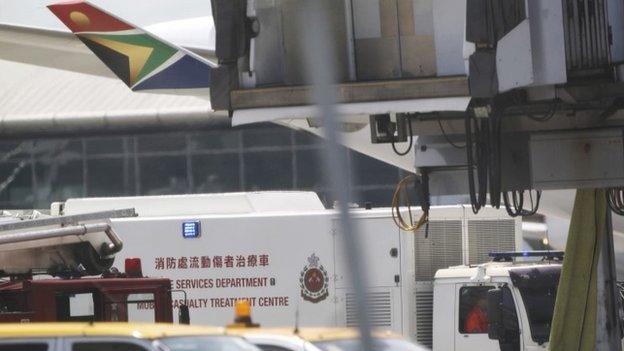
(512,211)
(487,162)
(483,147)
(615,199)
(425,197)
(544,118)
(515,207)
(470,162)
(448,140)
(411,141)
(488,146)
(477,197)
(495,159)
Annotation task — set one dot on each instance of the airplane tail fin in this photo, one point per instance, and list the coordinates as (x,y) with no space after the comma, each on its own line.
(140,59)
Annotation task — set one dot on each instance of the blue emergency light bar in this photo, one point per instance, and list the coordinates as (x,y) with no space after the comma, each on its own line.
(510,255)
(191,229)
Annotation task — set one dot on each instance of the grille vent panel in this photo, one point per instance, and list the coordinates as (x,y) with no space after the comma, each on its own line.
(424,317)
(380,309)
(485,236)
(586,35)
(443,248)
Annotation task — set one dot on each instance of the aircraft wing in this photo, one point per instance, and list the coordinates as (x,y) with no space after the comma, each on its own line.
(140,59)
(54,85)
(48,48)
(57,49)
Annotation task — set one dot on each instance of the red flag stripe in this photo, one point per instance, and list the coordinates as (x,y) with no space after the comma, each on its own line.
(80,16)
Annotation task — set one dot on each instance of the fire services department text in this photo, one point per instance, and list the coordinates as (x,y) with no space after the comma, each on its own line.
(226,261)
(209,283)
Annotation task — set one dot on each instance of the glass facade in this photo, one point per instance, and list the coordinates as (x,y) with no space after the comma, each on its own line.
(35,173)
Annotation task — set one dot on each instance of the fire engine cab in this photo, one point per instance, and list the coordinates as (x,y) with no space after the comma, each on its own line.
(60,269)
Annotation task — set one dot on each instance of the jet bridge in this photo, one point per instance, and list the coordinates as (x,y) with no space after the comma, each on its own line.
(537,85)
(496,99)
(406,49)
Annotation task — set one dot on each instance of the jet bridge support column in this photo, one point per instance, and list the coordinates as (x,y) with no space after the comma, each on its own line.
(586,310)
(608,325)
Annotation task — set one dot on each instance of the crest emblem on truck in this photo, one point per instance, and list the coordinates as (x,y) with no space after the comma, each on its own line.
(314,281)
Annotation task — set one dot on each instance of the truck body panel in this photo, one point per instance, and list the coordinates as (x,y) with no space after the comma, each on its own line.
(292,263)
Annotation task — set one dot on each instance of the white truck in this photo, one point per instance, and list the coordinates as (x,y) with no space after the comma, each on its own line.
(283,252)
(519,297)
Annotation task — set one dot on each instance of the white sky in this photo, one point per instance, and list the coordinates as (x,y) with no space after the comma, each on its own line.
(140,12)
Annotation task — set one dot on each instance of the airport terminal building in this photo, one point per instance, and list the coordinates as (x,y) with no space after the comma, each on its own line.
(36,172)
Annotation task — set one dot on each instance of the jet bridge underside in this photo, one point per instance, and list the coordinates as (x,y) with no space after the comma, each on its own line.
(537,146)
(544,160)
(543,77)
(544,83)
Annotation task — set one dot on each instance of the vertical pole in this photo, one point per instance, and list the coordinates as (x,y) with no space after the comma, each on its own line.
(608,335)
(350,27)
(318,54)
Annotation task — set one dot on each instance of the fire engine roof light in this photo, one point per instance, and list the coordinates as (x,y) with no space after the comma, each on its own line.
(509,256)
(242,315)
(242,309)
(133,268)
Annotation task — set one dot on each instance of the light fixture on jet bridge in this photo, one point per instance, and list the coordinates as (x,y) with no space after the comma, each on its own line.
(388,128)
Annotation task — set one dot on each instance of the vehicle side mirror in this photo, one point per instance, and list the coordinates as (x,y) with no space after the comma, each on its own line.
(184,315)
(495,313)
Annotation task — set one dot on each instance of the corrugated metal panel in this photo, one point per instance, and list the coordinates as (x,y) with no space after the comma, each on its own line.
(586,31)
(485,236)
(379,305)
(441,249)
(424,314)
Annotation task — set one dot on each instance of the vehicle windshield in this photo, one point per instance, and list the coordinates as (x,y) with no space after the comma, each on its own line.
(205,343)
(380,345)
(538,288)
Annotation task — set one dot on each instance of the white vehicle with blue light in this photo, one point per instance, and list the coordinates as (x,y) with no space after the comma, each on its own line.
(283,251)
(520,299)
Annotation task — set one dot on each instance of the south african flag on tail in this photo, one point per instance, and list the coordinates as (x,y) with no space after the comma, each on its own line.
(140,59)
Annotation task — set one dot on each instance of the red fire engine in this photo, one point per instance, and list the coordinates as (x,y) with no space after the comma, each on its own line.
(72,249)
